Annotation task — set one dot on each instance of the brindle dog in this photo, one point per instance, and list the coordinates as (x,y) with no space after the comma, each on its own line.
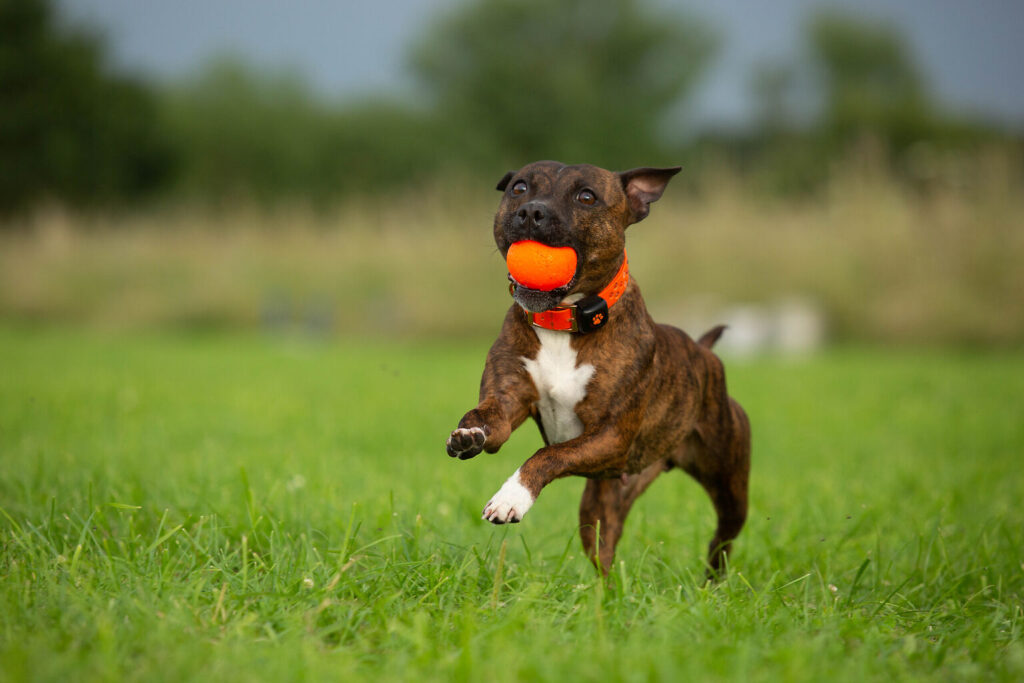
(618,404)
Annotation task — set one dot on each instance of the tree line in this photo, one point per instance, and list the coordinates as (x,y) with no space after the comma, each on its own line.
(498,83)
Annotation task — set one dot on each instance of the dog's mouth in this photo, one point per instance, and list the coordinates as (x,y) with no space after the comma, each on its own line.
(537,272)
(537,300)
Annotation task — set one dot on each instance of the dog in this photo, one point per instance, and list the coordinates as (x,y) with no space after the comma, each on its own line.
(618,398)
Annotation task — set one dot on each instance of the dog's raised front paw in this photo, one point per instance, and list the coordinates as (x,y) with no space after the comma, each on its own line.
(510,503)
(465,443)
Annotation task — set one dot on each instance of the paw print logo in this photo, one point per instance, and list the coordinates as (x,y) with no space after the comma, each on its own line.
(597,319)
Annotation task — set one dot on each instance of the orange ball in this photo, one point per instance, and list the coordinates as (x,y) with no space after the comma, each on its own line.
(539,266)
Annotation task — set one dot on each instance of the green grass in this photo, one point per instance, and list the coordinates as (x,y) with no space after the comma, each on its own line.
(237,508)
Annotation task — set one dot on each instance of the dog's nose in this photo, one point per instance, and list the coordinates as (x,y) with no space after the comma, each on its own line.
(533,214)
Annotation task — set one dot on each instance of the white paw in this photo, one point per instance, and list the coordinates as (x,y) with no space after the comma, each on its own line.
(510,503)
(465,443)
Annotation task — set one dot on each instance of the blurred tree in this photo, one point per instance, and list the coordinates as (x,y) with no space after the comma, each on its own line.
(68,129)
(784,153)
(582,80)
(772,85)
(257,135)
(242,132)
(871,84)
(858,84)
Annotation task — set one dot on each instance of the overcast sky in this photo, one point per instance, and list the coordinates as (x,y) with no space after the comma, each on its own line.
(972,51)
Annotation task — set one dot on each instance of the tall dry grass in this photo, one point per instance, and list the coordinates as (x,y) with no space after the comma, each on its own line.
(883,262)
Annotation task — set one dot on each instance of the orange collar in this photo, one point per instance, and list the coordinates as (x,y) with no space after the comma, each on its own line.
(590,312)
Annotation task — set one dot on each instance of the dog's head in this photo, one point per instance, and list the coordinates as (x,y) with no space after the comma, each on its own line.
(583,207)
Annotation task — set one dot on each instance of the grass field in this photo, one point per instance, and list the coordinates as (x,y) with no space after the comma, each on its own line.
(227,507)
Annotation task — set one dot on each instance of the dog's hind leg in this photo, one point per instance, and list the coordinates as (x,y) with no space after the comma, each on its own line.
(605,504)
(727,487)
(729,495)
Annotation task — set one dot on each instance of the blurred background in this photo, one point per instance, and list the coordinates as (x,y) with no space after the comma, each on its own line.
(853,171)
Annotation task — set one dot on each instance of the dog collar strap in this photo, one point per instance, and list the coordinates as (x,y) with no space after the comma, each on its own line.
(590,312)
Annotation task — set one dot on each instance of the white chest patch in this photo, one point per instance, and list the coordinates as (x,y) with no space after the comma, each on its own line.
(560,384)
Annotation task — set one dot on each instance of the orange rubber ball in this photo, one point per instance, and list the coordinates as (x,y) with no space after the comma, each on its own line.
(539,266)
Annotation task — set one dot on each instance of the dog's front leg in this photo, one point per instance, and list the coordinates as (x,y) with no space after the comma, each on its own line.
(486,427)
(601,451)
(506,394)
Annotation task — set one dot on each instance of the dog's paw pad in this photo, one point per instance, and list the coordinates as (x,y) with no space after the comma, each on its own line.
(510,503)
(465,443)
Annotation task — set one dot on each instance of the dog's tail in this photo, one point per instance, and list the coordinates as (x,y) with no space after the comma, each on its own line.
(708,339)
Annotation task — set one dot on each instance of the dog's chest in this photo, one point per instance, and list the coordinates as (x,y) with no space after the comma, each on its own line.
(560,385)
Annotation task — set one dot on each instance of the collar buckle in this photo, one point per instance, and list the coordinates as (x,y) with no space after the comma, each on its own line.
(586,315)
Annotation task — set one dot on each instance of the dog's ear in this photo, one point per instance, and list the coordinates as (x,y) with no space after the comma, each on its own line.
(503,183)
(643,186)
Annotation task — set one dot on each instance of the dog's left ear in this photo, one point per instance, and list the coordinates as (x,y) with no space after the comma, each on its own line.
(503,183)
(643,186)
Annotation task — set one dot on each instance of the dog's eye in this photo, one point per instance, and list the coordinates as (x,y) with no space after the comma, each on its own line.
(586,197)
(519,188)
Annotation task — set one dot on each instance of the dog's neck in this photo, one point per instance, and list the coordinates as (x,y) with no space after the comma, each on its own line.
(581,314)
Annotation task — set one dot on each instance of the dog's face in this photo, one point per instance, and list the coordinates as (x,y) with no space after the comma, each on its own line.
(583,207)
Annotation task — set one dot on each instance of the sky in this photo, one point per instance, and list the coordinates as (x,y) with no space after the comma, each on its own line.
(971,51)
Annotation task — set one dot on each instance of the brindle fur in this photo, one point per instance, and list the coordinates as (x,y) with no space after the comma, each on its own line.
(657,399)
